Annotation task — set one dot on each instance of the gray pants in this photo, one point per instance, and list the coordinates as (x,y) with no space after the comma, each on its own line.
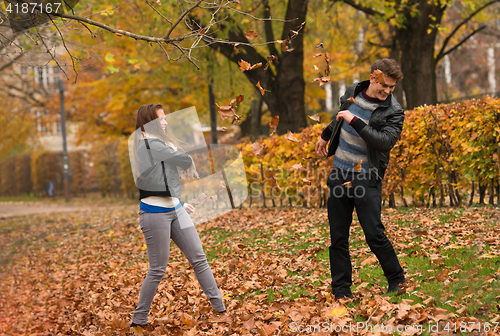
(158,228)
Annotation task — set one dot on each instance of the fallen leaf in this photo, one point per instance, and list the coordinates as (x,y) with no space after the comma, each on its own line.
(186,319)
(443,275)
(291,137)
(370,260)
(315,117)
(251,34)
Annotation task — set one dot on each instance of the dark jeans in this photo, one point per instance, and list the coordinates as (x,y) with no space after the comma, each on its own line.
(365,194)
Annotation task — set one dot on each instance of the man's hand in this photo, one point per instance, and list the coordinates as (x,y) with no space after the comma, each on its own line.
(321,147)
(189,208)
(346,115)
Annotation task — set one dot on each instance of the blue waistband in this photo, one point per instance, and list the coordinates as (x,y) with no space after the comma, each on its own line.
(157,209)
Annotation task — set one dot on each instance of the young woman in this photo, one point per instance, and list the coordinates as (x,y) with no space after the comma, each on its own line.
(162,215)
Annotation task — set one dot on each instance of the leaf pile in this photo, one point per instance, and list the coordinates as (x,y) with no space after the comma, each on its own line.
(80,273)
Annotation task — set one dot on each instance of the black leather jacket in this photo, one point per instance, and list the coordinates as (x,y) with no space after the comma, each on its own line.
(381,133)
(165,157)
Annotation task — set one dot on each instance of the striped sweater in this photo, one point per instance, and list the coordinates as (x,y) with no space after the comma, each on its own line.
(352,148)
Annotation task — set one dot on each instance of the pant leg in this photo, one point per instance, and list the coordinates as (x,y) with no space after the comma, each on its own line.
(185,236)
(368,203)
(340,208)
(156,230)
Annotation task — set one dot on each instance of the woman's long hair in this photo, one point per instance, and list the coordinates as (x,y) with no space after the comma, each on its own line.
(147,120)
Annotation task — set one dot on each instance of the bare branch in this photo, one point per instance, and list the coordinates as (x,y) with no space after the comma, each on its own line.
(360,7)
(448,38)
(12,61)
(462,42)
(158,12)
(65,47)
(182,17)
(117,31)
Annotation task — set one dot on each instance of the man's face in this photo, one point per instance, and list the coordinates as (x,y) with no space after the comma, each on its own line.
(382,91)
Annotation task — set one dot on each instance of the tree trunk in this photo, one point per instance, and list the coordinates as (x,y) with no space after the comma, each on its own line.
(471,194)
(492,192)
(418,63)
(285,88)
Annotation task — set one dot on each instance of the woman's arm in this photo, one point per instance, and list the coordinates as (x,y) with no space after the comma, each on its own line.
(162,152)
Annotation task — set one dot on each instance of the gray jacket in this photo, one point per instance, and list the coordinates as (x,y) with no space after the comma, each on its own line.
(154,161)
(381,133)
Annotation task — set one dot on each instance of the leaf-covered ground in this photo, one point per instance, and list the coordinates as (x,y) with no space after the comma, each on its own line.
(80,274)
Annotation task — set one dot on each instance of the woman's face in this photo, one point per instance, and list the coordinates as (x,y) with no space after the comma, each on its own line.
(161,115)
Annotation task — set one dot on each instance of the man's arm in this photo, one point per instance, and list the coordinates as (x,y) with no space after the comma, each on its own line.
(386,138)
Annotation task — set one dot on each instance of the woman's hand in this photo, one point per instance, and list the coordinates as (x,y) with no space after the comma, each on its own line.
(189,208)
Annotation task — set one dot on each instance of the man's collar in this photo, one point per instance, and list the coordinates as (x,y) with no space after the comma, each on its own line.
(364,85)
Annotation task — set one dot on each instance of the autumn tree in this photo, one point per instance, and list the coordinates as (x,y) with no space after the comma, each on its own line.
(415,34)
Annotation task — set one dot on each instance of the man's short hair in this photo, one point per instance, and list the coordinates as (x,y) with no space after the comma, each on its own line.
(389,67)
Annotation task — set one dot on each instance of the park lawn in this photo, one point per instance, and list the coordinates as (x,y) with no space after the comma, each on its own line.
(80,273)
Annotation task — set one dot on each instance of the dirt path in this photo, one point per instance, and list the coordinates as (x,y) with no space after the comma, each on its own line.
(13,210)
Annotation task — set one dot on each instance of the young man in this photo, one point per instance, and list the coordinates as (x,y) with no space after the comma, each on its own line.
(364,130)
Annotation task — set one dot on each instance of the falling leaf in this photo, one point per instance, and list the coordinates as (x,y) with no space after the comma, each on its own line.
(348,184)
(272,58)
(320,45)
(213,198)
(256,65)
(327,58)
(251,34)
(158,2)
(327,70)
(236,49)
(297,166)
(317,55)
(201,31)
(316,67)
(224,129)
(274,124)
(315,117)
(306,181)
(291,137)
(294,33)
(322,80)
(226,111)
(358,166)
(262,91)
(351,99)
(222,185)
(239,99)
(258,147)
(379,76)
(244,65)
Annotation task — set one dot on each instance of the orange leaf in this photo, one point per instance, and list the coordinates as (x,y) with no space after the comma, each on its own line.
(262,91)
(244,65)
(239,99)
(291,137)
(358,166)
(274,123)
(379,76)
(257,65)
(322,80)
(186,319)
(348,184)
(315,117)
(258,147)
(351,99)
(251,34)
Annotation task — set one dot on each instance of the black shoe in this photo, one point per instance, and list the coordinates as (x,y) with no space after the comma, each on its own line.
(394,288)
(146,326)
(344,296)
